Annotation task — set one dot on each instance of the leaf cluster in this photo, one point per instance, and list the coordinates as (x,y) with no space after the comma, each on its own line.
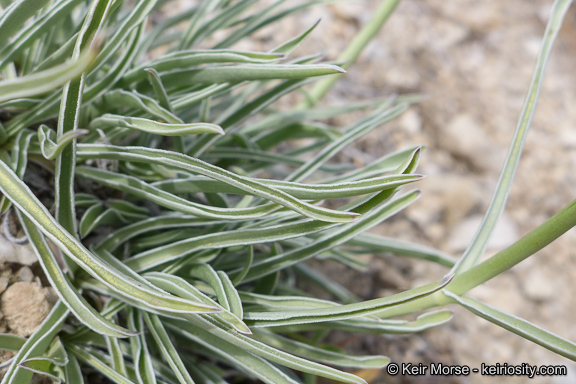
(185,204)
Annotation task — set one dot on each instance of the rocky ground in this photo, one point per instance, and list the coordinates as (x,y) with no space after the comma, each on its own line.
(473,59)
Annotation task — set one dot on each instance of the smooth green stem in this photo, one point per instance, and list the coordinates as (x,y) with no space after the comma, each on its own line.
(349,56)
(478,244)
(528,245)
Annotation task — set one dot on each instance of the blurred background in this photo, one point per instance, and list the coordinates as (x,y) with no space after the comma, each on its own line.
(473,60)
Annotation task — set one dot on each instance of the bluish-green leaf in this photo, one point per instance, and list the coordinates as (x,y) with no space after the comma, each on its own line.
(145,125)
(44,81)
(194,165)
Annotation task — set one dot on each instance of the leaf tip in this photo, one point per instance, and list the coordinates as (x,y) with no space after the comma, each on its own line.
(338,69)
(447,279)
(218,130)
(243,328)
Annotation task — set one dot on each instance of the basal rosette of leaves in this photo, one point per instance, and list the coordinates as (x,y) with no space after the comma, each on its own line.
(183,210)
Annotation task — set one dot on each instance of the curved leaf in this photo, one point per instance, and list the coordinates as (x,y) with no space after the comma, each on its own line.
(50,146)
(517,325)
(180,161)
(22,197)
(65,290)
(141,189)
(47,80)
(348,311)
(188,58)
(150,126)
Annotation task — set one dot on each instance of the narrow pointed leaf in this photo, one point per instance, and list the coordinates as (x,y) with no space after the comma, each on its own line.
(281,302)
(348,311)
(132,21)
(22,197)
(68,120)
(140,352)
(321,355)
(380,244)
(237,278)
(353,134)
(245,72)
(291,45)
(517,325)
(16,15)
(169,352)
(375,326)
(206,273)
(191,164)
(333,238)
(164,222)
(33,31)
(85,356)
(248,344)
(151,126)
(298,190)
(64,288)
(361,39)
(181,287)
(72,371)
(190,58)
(385,164)
(498,202)
(115,352)
(144,190)
(159,89)
(19,155)
(44,81)
(149,259)
(52,147)
(235,355)
(120,97)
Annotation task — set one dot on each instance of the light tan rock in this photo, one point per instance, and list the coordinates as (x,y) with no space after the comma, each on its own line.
(25,306)
(4,280)
(25,274)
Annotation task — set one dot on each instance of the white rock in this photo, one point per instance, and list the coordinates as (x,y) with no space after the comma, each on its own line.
(538,285)
(465,138)
(504,234)
(25,274)
(405,77)
(532,45)
(568,138)
(13,253)
(410,122)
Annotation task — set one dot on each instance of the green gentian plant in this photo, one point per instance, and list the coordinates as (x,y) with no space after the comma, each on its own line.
(183,212)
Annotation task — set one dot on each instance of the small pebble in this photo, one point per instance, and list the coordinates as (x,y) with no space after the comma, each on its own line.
(25,274)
